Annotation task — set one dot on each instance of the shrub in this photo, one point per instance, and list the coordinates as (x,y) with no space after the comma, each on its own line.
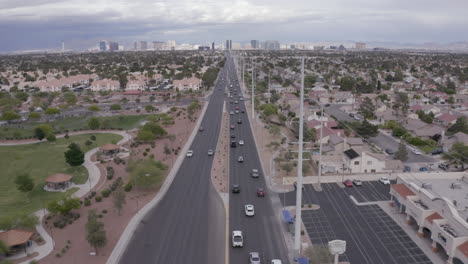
(128,187)
(106,193)
(93,137)
(88,143)
(87,202)
(144,154)
(151,156)
(63,250)
(58,255)
(110,172)
(98,198)
(104,211)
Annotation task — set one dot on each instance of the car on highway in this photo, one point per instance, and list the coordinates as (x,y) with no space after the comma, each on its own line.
(241,142)
(235,188)
(348,183)
(231,113)
(239,121)
(254,258)
(237,111)
(389,151)
(240,159)
(201,129)
(423,169)
(210,152)
(242,99)
(260,192)
(232,126)
(236,102)
(242,111)
(357,182)
(189,154)
(233,136)
(233,144)
(249,210)
(384,180)
(276,261)
(255,173)
(237,239)
(415,151)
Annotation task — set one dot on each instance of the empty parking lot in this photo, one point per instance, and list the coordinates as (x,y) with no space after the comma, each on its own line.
(372,236)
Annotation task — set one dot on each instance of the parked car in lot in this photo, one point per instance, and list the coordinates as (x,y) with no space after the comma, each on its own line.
(210,152)
(443,166)
(348,183)
(189,153)
(237,239)
(240,159)
(254,258)
(260,192)
(389,151)
(241,142)
(423,169)
(384,180)
(255,173)
(235,188)
(249,210)
(357,182)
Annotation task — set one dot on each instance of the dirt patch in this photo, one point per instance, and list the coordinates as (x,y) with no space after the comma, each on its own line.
(219,171)
(70,242)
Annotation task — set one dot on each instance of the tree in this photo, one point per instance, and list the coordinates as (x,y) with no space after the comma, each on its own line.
(461,125)
(51,138)
(10,115)
(39,133)
(167,150)
(367,109)
(94,108)
(287,167)
(95,232)
(94,123)
(319,254)
(52,111)
(74,156)
(115,107)
(458,154)
(149,108)
(119,198)
(63,206)
(402,152)
(4,249)
(24,183)
(366,129)
(70,98)
(22,220)
(34,115)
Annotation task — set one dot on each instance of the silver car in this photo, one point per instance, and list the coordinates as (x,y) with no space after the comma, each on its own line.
(254,258)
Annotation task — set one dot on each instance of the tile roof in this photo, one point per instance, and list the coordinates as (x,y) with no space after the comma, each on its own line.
(58,177)
(464,248)
(433,217)
(15,237)
(402,190)
(447,117)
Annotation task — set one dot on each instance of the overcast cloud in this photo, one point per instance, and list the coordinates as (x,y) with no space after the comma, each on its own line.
(34,24)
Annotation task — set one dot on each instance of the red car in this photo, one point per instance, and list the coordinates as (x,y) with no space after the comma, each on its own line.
(232,126)
(348,183)
(260,192)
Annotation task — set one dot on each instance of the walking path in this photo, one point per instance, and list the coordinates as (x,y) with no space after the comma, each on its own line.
(93,178)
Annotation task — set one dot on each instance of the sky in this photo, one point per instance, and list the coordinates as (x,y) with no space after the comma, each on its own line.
(41,24)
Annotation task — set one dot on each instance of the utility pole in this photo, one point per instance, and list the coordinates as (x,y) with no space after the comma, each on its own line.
(298,221)
(320,148)
(253,101)
(269,94)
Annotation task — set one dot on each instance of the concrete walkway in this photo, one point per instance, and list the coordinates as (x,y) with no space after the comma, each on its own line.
(93,178)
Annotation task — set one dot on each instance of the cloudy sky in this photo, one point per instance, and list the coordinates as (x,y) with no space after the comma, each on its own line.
(37,24)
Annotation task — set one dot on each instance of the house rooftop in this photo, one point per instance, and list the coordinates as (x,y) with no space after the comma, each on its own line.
(351,154)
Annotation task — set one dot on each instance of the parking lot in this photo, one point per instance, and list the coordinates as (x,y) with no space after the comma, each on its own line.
(372,236)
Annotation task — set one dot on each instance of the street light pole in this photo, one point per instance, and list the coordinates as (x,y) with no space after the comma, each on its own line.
(320,148)
(253,101)
(298,222)
(269,94)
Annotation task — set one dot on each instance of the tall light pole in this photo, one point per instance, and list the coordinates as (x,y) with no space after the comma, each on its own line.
(269,94)
(253,101)
(320,148)
(298,222)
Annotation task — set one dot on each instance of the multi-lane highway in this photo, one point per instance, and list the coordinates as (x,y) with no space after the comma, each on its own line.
(263,232)
(188,224)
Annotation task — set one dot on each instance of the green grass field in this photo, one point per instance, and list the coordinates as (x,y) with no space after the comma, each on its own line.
(40,160)
(73,123)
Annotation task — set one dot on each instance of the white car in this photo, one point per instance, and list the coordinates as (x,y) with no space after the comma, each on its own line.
(417,152)
(237,239)
(231,113)
(241,142)
(254,258)
(189,154)
(249,210)
(276,261)
(240,159)
(384,180)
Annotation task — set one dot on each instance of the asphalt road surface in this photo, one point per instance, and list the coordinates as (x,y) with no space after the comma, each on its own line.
(263,233)
(382,140)
(188,224)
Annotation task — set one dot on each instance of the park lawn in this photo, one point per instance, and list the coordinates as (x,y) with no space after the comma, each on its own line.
(124,122)
(40,160)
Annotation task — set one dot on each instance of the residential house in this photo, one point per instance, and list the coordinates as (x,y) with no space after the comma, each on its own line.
(446,119)
(363,161)
(105,85)
(136,85)
(186,84)
(458,137)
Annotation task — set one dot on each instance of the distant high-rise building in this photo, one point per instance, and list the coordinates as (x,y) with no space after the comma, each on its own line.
(360,46)
(63,46)
(158,45)
(171,44)
(319,47)
(255,44)
(143,45)
(103,45)
(203,48)
(212,45)
(113,46)
(228,44)
(271,45)
(135,45)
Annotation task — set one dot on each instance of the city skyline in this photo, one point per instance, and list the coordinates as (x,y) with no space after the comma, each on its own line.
(124,21)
